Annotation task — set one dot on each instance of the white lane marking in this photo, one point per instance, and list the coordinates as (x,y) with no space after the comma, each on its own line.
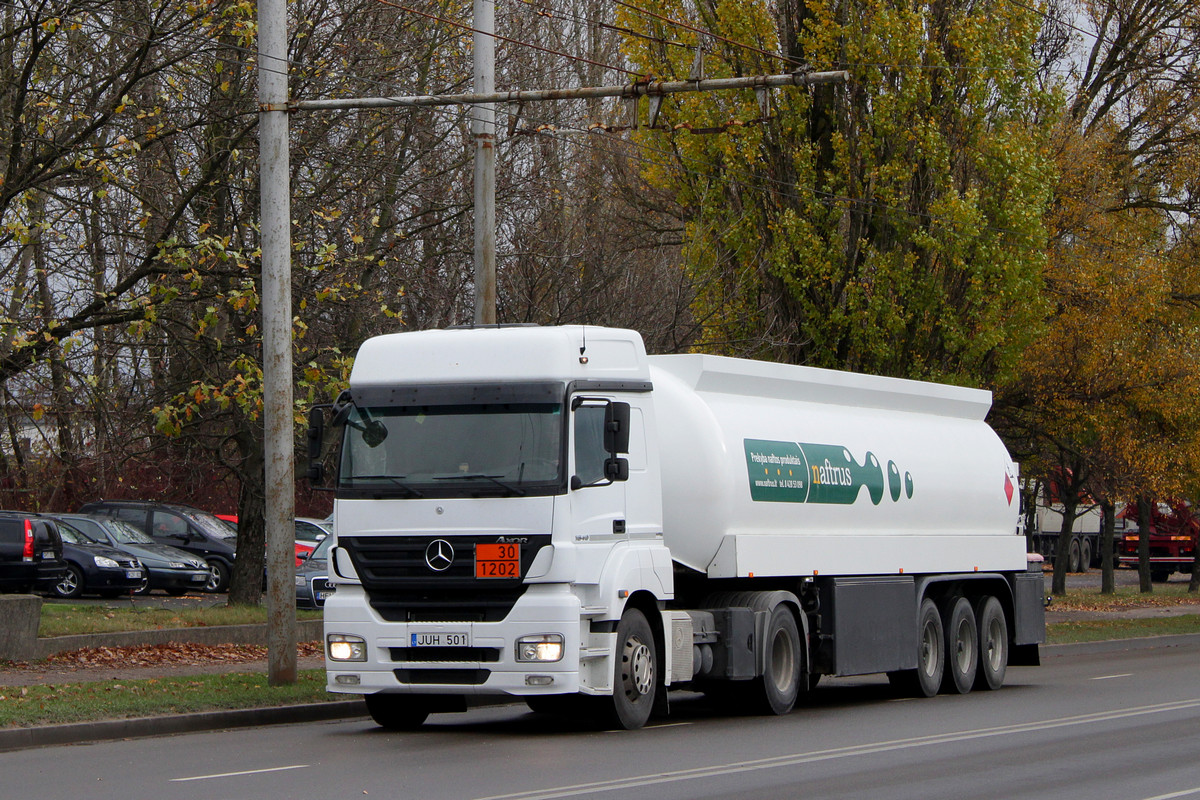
(1184,793)
(235,774)
(656,727)
(1110,677)
(797,759)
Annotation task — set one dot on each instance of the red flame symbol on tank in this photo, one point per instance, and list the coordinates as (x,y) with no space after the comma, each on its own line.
(1008,488)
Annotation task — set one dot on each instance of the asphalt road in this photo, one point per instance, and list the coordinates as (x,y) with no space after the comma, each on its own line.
(1093,722)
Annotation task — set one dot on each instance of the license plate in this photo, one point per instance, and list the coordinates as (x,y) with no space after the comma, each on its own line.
(325,594)
(498,560)
(200,578)
(48,555)
(440,639)
(133,573)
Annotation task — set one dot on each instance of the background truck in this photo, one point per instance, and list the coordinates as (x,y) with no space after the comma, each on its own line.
(549,513)
(1173,537)
(1083,551)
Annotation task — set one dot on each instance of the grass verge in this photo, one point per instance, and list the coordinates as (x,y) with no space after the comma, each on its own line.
(33,706)
(66,619)
(1101,630)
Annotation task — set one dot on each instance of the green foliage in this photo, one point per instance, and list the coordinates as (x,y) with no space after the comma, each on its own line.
(894,225)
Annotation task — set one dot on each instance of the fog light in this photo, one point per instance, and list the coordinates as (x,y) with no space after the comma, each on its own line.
(539,680)
(347,680)
(346,648)
(542,647)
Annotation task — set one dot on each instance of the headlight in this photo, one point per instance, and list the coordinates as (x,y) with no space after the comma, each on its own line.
(105,563)
(301,582)
(346,648)
(176,565)
(540,647)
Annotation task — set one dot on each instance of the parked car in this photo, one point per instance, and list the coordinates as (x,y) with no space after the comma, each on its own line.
(95,568)
(198,532)
(30,552)
(312,584)
(170,569)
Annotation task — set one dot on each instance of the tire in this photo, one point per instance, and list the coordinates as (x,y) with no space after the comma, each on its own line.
(1073,555)
(779,687)
(218,577)
(993,644)
(1160,575)
(1085,554)
(962,647)
(143,588)
(397,712)
(926,679)
(635,673)
(70,585)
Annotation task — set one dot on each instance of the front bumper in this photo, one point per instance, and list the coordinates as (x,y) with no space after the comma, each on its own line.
(488,667)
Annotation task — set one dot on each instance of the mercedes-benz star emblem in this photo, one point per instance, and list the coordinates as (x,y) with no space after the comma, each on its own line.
(439,555)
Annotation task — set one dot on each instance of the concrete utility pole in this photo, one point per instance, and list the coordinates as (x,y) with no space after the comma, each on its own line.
(483,131)
(276,234)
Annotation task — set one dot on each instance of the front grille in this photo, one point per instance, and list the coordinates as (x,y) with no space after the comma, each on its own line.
(445,655)
(458,677)
(402,587)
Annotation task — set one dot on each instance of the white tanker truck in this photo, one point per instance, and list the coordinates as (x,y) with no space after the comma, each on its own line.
(553,515)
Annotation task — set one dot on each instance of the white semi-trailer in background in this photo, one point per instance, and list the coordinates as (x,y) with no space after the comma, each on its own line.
(551,514)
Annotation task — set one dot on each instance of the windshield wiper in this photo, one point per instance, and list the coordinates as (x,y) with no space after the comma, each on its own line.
(479,476)
(394,480)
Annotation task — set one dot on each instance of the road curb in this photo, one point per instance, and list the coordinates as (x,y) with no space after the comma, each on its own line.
(1117,645)
(78,733)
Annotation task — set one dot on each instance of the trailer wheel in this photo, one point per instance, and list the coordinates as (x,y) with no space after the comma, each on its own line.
(962,647)
(635,674)
(779,686)
(1073,555)
(993,644)
(397,712)
(926,679)
(1085,554)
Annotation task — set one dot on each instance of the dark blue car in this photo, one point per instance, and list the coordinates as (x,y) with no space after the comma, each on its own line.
(169,569)
(95,569)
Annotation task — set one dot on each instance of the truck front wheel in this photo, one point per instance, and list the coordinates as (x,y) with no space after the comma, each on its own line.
(780,682)
(635,674)
(397,712)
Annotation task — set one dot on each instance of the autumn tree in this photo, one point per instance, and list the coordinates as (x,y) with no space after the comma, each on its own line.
(893,225)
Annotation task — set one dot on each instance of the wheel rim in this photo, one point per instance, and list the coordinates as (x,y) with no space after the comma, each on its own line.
(993,651)
(929,650)
(214,578)
(783,663)
(69,583)
(638,672)
(964,646)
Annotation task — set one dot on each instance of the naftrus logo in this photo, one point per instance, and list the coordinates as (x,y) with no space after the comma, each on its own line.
(796,472)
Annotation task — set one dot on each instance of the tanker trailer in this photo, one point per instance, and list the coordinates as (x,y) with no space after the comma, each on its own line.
(553,515)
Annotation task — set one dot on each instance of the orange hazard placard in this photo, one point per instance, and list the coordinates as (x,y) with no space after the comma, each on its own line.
(498,560)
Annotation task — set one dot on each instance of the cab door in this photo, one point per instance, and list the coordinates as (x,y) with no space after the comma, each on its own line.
(597,497)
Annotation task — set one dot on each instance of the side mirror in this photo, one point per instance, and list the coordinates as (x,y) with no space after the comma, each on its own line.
(616,469)
(616,428)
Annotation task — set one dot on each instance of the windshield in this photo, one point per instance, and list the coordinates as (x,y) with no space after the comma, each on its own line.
(125,533)
(210,525)
(452,450)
